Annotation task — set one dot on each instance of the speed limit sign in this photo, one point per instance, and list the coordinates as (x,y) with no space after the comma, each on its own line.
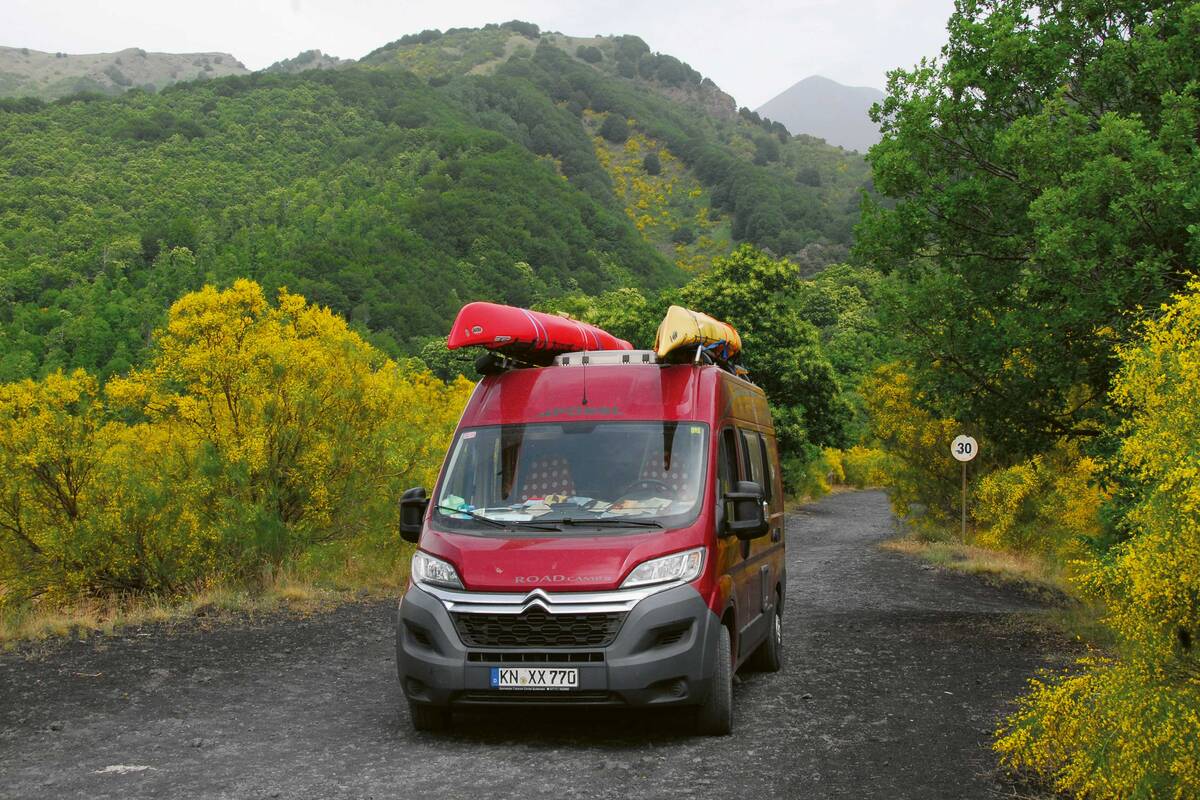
(964,448)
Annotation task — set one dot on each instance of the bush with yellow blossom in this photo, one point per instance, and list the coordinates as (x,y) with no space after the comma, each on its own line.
(1128,726)
(256,432)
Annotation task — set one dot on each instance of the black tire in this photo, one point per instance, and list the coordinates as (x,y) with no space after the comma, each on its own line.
(769,655)
(715,716)
(429,718)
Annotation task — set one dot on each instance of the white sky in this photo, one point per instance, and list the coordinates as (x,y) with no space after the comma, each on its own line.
(753,52)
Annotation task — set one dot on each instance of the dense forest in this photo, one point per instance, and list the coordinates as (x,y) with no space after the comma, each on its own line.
(389,195)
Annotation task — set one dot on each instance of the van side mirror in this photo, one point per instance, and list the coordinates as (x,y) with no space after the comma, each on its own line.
(746,520)
(412,513)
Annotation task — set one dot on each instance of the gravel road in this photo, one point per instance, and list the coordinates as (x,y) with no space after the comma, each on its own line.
(896,675)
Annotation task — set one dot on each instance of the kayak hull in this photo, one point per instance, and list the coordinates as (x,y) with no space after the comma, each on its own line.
(684,330)
(530,336)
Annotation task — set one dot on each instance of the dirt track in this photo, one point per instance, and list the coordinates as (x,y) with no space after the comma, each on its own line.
(895,678)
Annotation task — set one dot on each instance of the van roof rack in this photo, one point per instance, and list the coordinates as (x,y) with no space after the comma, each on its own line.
(700,355)
(605,357)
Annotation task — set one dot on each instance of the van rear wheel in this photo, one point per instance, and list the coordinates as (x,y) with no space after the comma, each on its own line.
(429,718)
(769,655)
(715,717)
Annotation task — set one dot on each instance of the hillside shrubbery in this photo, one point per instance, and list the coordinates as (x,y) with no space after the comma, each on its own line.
(256,434)
(368,193)
(388,197)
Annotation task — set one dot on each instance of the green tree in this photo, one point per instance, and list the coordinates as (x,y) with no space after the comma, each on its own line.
(684,234)
(808,176)
(652,164)
(589,53)
(1045,175)
(758,296)
(614,128)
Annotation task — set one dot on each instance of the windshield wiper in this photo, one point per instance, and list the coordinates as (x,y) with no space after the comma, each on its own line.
(508,526)
(609,522)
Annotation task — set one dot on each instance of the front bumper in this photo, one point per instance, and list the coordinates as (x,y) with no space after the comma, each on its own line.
(661,655)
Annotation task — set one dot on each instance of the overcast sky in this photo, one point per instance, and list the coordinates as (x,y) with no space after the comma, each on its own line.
(753,51)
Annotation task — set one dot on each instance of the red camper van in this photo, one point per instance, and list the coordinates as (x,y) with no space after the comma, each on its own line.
(607,530)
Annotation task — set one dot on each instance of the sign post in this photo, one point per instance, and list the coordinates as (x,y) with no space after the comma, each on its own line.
(964,448)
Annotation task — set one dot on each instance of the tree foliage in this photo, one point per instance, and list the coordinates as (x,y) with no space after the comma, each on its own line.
(1130,726)
(614,129)
(589,53)
(256,433)
(1044,168)
(757,295)
(368,192)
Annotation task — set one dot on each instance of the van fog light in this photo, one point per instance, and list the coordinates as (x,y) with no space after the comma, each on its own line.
(685,566)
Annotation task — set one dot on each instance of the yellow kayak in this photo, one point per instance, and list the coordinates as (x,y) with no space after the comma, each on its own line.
(683,328)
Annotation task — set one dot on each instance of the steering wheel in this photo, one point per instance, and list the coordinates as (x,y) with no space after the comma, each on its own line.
(647,483)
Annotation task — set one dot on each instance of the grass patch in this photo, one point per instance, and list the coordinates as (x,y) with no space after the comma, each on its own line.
(306,591)
(1077,618)
(1025,571)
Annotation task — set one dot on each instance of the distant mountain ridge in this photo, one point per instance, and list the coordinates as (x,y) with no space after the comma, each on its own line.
(309,59)
(32,73)
(827,109)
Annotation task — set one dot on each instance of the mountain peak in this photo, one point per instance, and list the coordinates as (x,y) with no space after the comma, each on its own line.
(822,107)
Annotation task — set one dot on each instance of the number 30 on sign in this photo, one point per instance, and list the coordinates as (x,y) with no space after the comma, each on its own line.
(964,448)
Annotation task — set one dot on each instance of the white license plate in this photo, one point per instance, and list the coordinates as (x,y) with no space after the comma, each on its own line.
(534,678)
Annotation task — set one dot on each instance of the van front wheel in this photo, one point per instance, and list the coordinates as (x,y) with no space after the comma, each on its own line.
(715,717)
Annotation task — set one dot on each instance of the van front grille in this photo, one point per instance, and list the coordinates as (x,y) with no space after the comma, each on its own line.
(537,628)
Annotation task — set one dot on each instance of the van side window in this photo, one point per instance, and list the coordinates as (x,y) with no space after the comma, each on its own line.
(728,466)
(752,448)
(769,485)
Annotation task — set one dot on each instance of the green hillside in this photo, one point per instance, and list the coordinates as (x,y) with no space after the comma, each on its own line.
(441,168)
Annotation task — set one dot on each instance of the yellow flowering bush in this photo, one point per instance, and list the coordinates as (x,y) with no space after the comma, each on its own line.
(1130,727)
(835,466)
(920,471)
(256,432)
(661,204)
(1049,505)
(864,467)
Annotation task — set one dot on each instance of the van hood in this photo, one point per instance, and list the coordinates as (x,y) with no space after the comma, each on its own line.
(575,563)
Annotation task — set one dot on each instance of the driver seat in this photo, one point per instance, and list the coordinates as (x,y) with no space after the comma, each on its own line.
(652,469)
(547,475)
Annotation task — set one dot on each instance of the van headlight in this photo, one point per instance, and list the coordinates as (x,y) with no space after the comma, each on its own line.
(685,566)
(434,571)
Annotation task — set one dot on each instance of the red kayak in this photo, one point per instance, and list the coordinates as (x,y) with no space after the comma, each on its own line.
(527,335)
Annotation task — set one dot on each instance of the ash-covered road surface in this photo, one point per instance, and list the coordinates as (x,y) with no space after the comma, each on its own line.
(895,678)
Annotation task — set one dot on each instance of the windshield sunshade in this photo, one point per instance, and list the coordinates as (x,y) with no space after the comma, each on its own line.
(572,474)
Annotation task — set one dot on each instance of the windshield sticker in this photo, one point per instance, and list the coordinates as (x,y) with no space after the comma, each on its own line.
(469,435)
(581,411)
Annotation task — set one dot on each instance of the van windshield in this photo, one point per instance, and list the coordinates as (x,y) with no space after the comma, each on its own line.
(585,474)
